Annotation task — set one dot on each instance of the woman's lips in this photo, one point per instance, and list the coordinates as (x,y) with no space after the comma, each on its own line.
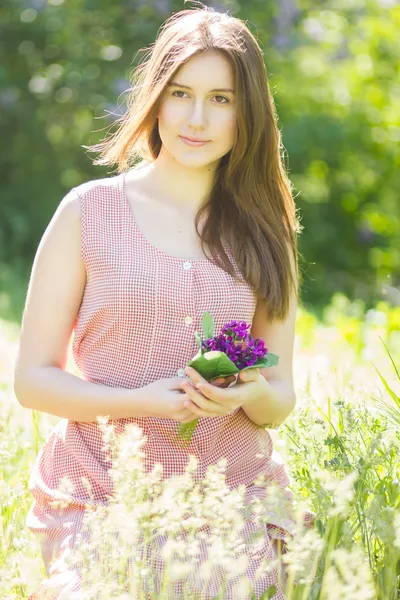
(191,142)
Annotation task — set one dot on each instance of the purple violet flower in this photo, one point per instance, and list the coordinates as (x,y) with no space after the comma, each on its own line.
(238,344)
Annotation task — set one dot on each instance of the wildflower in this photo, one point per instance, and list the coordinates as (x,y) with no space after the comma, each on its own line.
(348,576)
(301,557)
(342,490)
(195,527)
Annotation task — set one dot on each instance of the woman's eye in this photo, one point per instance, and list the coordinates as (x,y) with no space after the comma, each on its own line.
(182,92)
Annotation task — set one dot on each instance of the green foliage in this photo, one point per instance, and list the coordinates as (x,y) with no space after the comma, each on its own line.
(336,89)
(390,409)
(333,69)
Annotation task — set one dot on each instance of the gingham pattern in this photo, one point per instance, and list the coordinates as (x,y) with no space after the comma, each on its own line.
(136,324)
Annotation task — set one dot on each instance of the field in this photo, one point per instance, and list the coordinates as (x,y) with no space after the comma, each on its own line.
(340,445)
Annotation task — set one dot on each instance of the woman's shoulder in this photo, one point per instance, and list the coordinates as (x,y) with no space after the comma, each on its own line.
(92,200)
(93,186)
(96,197)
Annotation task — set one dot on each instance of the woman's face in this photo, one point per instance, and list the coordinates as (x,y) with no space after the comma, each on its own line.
(198,111)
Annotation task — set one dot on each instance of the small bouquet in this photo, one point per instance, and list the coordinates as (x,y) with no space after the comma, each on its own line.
(233,350)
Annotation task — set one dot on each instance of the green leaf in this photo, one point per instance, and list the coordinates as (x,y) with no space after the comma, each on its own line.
(271,360)
(391,392)
(198,340)
(213,364)
(269,593)
(391,358)
(185,432)
(208,325)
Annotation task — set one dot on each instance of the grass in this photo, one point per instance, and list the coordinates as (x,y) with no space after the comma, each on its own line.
(340,447)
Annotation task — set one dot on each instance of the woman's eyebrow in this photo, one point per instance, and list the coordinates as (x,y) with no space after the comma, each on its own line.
(176,84)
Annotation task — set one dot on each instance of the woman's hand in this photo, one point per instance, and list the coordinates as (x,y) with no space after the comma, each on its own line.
(207,400)
(165,399)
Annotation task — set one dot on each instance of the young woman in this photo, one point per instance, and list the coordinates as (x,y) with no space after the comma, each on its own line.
(125,265)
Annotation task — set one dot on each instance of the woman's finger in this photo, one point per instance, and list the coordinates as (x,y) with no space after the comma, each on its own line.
(228,380)
(223,381)
(199,403)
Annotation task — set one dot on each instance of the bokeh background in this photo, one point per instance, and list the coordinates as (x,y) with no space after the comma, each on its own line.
(333,67)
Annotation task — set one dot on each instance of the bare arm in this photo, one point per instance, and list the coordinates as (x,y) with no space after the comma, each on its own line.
(57,392)
(53,300)
(280,399)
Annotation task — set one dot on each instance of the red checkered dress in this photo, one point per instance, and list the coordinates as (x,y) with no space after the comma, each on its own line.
(135,325)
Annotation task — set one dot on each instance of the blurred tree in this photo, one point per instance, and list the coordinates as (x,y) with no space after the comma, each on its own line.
(336,86)
(334,72)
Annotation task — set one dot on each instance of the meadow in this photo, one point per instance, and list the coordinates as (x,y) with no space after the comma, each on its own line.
(340,447)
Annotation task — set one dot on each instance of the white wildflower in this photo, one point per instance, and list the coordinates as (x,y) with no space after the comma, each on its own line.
(342,491)
(348,576)
(303,552)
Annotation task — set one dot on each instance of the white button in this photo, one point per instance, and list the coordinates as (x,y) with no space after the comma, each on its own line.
(188,320)
(187,265)
(181,373)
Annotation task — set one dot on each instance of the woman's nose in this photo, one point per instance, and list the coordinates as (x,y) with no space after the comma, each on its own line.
(197,116)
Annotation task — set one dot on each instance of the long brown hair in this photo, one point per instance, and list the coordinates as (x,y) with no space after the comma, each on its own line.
(251,204)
